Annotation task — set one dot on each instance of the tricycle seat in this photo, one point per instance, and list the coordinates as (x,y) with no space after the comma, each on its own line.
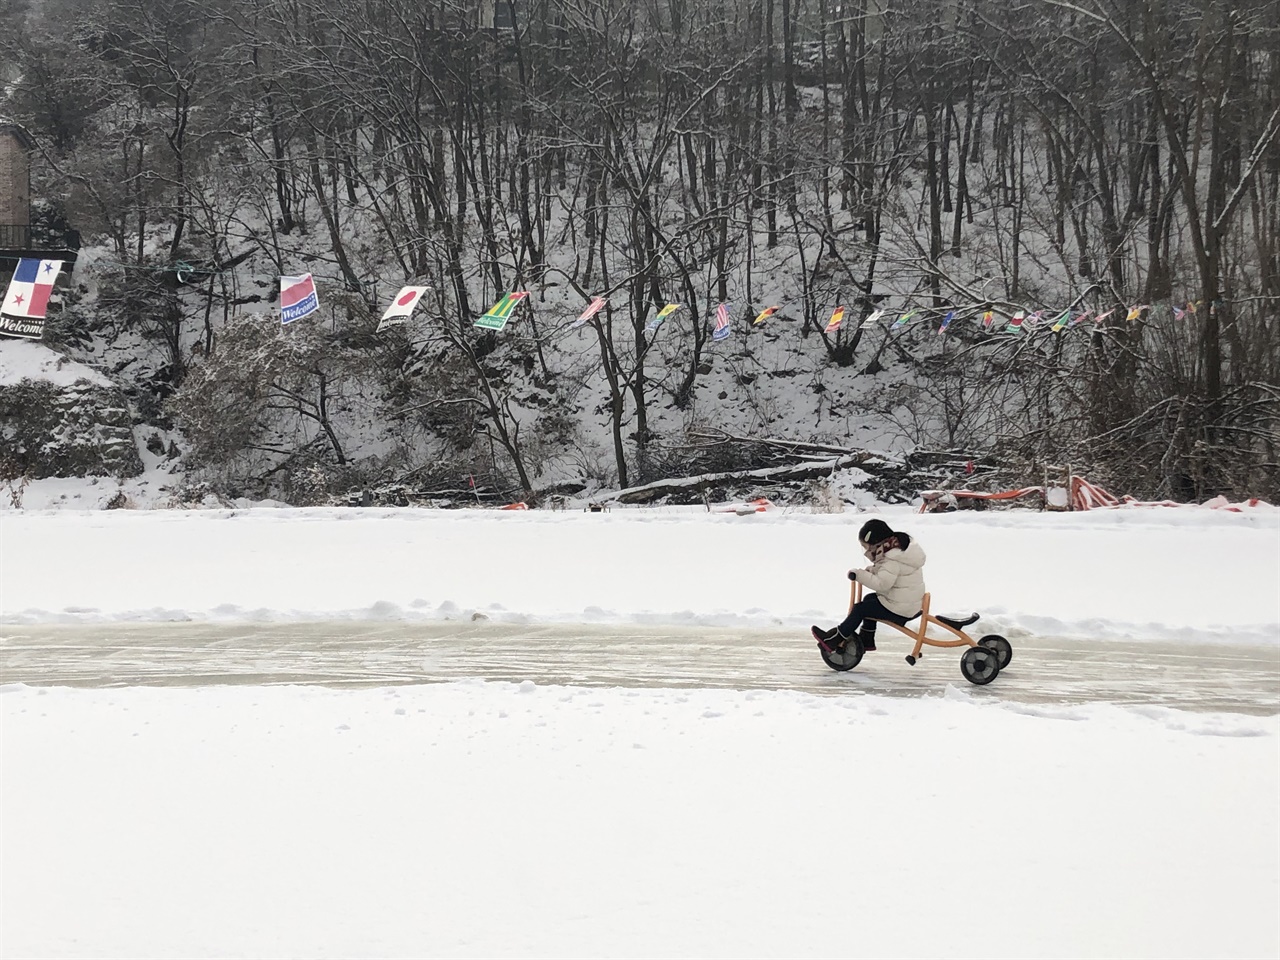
(957,622)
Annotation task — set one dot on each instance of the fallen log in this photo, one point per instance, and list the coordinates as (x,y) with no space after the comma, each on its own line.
(808,470)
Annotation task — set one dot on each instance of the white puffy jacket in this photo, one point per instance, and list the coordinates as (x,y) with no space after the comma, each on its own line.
(897,579)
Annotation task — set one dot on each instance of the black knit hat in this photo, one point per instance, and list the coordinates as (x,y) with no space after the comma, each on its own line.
(874,531)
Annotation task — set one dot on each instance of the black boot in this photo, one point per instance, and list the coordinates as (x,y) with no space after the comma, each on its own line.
(868,638)
(828,640)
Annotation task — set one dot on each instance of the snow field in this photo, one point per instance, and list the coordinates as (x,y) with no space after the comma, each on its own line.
(1171,574)
(492,819)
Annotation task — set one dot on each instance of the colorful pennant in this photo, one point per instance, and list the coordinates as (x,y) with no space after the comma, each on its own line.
(656,320)
(722,322)
(496,317)
(764,315)
(837,318)
(594,307)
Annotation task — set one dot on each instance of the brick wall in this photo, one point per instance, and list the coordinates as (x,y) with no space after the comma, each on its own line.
(15,180)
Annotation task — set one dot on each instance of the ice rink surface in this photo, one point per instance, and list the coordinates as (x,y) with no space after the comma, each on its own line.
(1214,677)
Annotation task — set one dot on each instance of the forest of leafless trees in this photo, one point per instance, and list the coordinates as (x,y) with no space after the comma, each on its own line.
(926,155)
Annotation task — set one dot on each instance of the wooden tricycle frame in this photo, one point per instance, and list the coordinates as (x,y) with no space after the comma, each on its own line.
(920,634)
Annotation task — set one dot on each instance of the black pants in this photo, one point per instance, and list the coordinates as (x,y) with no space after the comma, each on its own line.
(865,613)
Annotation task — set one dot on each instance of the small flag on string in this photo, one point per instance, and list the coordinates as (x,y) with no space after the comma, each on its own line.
(902,320)
(1031,322)
(404,303)
(1079,318)
(1102,316)
(1135,312)
(1015,323)
(988,319)
(722,322)
(1178,312)
(594,307)
(656,320)
(27,300)
(872,317)
(946,321)
(496,317)
(1191,305)
(298,298)
(837,318)
(1061,323)
(764,315)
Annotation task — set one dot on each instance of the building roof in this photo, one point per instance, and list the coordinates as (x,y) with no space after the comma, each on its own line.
(19,132)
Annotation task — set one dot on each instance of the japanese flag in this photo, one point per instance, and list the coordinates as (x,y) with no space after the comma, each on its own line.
(403,305)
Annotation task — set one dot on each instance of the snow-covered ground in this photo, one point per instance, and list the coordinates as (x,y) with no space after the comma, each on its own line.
(1190,573)
(476,818)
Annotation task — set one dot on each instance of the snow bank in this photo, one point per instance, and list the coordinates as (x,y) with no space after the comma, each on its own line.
(29,359)
(1193,575)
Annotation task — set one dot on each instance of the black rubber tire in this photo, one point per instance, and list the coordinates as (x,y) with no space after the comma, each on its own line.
(1000,645)
(980,665)
(847,659)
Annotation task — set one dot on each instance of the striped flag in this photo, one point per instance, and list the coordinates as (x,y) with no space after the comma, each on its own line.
(872,317)
(496,317)
(902,320)
(1061,323)
(1079,318)
(837,318)
(1015,322)
(764,315)
(1102,316)
(298,298)
(594,307)
(722,322)
(656,320)
(988,319)
(946,321)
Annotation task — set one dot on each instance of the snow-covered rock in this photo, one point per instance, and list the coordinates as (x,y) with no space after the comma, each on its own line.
(59,418)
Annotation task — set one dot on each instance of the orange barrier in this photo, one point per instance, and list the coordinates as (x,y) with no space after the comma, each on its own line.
(1082,495)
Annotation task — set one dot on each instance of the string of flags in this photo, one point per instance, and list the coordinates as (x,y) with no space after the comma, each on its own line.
(24,308)
(298,298)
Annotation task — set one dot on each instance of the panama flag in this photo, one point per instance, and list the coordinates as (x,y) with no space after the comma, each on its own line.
(722,322)
(403,305)
(594,307)
(298,298)
(837,318)
(30,288)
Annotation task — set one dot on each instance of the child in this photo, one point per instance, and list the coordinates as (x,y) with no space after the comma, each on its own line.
(896,577)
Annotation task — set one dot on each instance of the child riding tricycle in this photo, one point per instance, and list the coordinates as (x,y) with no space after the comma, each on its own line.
(895,573)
